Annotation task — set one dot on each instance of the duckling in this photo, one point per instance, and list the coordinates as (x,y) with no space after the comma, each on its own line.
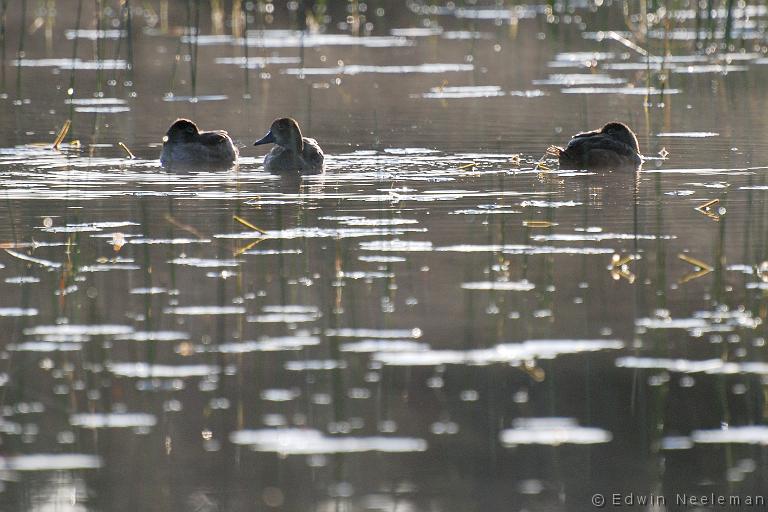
(185,144)
(292,152)
(612,147)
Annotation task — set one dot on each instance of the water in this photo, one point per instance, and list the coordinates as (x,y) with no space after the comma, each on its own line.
(444,320)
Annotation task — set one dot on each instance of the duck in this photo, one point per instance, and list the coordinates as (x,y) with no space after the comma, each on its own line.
(292,152)
(612,147)
(185,144)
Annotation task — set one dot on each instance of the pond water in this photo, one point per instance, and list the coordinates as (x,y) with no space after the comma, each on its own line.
(444,320)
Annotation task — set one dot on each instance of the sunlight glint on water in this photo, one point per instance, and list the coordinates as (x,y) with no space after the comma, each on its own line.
(443,321)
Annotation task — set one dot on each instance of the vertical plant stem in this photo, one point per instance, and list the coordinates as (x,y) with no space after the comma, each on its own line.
(3,11)
(20,51)
(246,70)
(129,36)
(174,68)
(193,27)
(728,22)
(697,8)
(71,90)
(195,48)
(99,45)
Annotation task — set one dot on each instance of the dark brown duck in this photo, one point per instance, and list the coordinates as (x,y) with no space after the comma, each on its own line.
(185,144)
(612,147)
(292,151)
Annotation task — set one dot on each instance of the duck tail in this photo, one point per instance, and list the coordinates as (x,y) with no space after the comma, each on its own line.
(555,151)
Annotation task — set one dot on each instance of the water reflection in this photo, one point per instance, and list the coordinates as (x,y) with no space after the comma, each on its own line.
(444,320)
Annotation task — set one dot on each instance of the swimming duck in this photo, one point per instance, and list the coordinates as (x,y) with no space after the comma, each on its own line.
(292,152)
(185,144)
(614,146)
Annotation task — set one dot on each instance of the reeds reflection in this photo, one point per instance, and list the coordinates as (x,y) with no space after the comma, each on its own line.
(444,320)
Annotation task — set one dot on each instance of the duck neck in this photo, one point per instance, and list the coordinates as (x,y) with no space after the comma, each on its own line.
(297,141)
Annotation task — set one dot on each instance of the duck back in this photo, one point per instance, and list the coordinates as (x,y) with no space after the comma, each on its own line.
(214,147)
(594,150)
(309,161)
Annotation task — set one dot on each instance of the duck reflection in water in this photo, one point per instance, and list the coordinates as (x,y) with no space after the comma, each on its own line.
(612,147)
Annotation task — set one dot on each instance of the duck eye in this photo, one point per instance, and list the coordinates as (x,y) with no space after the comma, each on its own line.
(190,129)
(165,138)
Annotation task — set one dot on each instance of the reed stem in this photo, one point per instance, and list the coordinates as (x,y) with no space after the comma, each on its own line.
(3,11)
(728,23)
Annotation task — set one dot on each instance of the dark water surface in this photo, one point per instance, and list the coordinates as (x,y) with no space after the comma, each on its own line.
(443,321)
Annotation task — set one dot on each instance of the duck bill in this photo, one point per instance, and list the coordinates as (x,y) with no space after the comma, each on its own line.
(267,139)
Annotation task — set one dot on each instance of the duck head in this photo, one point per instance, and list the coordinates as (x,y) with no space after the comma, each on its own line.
(623,133)
(284,132)
(182,130)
